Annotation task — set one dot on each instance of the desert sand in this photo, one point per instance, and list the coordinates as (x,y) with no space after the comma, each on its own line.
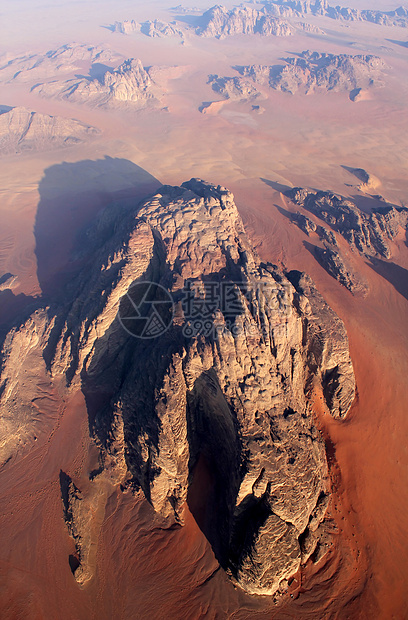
(46,199)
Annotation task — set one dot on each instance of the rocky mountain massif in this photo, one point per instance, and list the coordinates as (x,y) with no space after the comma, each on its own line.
(314,71)
(219,22)
(275,18)
(215,411)
(369,234)
(23,130)
(298,8)
(130,84)
(65,59)
(90,75)
(309,72)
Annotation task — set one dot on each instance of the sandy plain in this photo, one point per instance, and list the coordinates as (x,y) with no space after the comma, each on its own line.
(47,197)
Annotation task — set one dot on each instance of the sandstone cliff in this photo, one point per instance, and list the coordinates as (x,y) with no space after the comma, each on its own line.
(223,390)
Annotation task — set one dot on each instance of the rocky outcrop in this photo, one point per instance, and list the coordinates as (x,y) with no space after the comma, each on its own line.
(234,88)
(8,281)
(368,182)
(371,234)
(218,382)
(314,71)
(129,84)
(220,22)
(23,130)
(330,257)
(125,27)
(65,59)
(151,28)
(157,28)
(308,226)
(333,262)
(290,8)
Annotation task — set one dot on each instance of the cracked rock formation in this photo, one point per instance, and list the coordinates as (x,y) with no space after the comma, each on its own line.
(330,257)
(151,28)
(220,22)
(333,262)
(65,59)
(290,8)
(370,234)
(234,88)
(23,130)
(314,71)
(130,84)
(216,410)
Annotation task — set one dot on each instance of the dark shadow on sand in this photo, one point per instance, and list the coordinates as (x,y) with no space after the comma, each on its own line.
(400,43)
(71,196)
(278,187)
(393,273)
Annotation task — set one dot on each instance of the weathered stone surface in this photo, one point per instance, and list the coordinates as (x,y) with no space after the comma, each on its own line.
(330,257)
(151,28)
(290,8)
(315,71)
(64,59)
(370,234)
(130,84)
(328,358)
(334,263)
(230,397)
(220,22)
(235,88)
(125,27)
(23,130)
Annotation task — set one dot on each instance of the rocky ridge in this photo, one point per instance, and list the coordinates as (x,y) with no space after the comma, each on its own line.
(275,18)
(129,84)
(24,130)
(151,28)
(370,234)
(314,71)
(217,22)
(234,88)
(65,59)
(330,256)
(297,8)
(220,22)
(225,388)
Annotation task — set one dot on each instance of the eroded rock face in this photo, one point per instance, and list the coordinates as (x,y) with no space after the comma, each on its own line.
(130,83)
(235,88)
(370,234)
(64,59)
(220,22)
(315,71)
(23,130)
(330,256)
(222,394)
(289,8)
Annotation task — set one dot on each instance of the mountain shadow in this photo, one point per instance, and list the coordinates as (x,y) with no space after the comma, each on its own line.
(396,275)
(71,196)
